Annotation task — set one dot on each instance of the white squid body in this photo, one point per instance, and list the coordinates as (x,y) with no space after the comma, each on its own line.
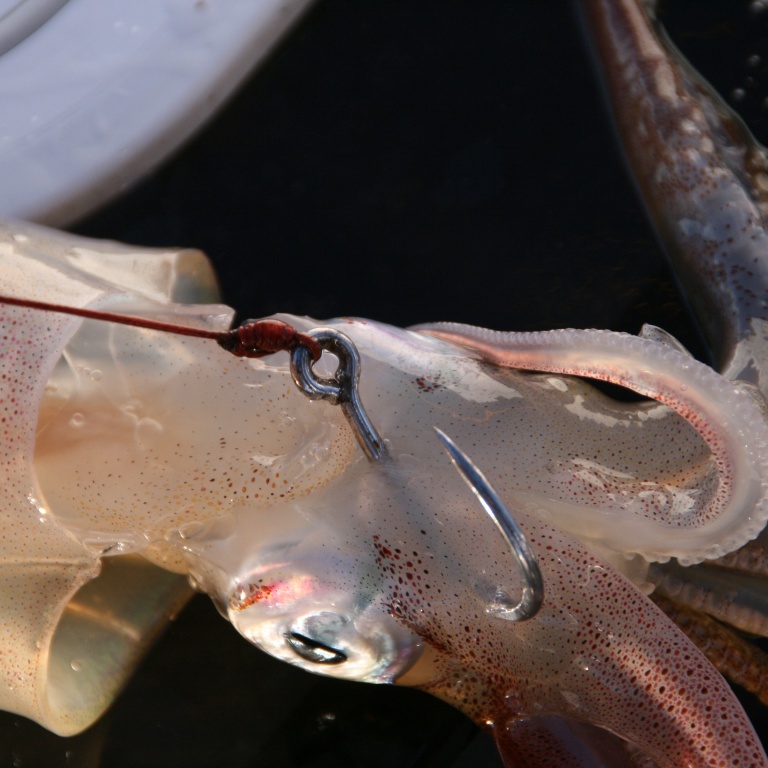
(119,441)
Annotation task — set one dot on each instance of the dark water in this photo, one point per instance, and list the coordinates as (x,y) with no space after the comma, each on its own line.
(406,161)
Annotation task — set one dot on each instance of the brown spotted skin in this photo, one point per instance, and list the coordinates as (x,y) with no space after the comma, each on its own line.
(741,661)
(701,175)
(187,463)
(598,650)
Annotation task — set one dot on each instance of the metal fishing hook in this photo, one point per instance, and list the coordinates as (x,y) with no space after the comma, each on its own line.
(533,591)
(341,389)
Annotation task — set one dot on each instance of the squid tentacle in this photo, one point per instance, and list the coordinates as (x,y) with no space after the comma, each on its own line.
(737,598)
(721,412)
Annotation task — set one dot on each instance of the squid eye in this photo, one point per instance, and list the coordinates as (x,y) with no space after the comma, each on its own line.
(313,650)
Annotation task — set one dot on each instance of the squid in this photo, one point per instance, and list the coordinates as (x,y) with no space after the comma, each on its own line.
(328,523)
(370,565)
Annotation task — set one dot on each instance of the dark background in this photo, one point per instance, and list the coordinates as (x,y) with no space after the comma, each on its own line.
(405,161)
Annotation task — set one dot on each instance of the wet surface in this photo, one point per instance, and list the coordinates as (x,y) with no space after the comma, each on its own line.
(407,162)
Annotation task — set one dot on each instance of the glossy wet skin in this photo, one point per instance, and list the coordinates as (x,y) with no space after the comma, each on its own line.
(353,570)
(296,535)
(580,449)
(702,178)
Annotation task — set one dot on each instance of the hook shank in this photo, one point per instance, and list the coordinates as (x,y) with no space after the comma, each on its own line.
(342,389)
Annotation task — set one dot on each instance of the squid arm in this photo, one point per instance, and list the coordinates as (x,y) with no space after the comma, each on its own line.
(724,414)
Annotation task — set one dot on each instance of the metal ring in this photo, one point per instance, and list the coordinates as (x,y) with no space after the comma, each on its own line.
(342,389)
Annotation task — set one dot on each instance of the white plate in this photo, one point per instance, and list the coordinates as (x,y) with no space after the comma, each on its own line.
(94,93)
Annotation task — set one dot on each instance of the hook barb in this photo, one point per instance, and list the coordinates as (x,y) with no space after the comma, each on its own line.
(533,591)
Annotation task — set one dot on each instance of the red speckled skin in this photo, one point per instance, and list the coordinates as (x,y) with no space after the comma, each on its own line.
(639,677)
(599,650)
(701,175)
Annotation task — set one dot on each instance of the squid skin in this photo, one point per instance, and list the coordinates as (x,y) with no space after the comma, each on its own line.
(618,663)
(612,665)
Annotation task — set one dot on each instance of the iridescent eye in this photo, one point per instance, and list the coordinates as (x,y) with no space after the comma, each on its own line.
(314,651)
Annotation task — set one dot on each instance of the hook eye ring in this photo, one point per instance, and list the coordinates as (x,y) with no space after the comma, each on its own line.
(341,389)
